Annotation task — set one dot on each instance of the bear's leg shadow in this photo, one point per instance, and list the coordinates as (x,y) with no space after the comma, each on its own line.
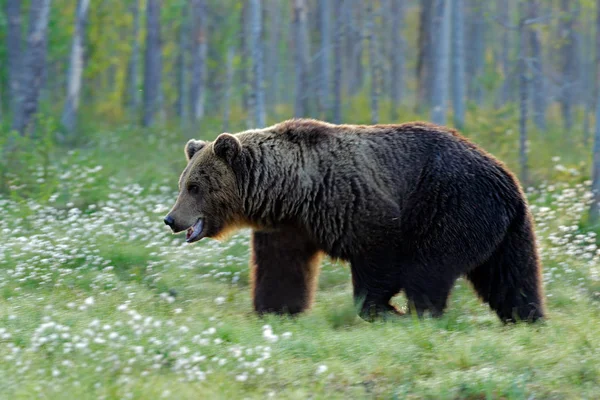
(375,281)
(285,267)
(510,281)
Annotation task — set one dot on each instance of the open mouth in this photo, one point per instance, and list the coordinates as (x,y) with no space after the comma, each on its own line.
(194,232)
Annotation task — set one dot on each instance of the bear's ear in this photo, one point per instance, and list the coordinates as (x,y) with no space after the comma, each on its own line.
(192,147)
(227,147)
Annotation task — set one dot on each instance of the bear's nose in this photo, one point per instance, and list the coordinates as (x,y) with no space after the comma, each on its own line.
(169,221)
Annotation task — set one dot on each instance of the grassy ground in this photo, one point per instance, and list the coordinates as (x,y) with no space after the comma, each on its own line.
(98,300)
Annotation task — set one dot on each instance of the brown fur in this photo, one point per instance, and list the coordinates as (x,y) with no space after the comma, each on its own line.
(412,207)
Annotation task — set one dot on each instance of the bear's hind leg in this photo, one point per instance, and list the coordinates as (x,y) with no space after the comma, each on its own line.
(510,281)
(284,266)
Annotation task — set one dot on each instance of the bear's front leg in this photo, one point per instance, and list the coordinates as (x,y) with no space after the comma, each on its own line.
(285,266)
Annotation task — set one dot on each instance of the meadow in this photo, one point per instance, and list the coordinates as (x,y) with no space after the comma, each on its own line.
(98,300)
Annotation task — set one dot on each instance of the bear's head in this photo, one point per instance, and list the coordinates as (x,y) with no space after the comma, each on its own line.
(209,202)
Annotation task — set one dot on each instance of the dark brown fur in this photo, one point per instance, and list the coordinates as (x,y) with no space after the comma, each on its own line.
(412,207)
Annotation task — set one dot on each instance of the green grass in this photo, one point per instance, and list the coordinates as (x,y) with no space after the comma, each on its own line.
(98,300)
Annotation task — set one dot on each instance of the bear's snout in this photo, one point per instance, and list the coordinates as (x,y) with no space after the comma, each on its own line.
(169,221)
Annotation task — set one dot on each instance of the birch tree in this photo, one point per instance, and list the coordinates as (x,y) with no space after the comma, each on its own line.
(425,59)
(301,58)
(133,96)
(568,53)
(69,116)
(337,60)
(503,10)
(397,56)
(258,93)
(34,64)
(182,64)
(324,56)
(13,46)
(458,63)
(373,41)
(439,87)
(199,48)
(272,68)
(245,53)
(595,206)
(537,83)
(153,63)
(228,88)
(476,49)
(523,96)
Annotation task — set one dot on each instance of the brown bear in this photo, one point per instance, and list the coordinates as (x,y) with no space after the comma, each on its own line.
(411,207)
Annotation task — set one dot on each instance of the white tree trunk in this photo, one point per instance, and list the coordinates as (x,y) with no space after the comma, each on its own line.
(228,88)
(182,65)
(134,61)
(373,41)
(69,116)
(13,46)
(397,56)
(439,87)
(523,97)
(595,206)
(337,60)
(324,87)
(258,93)
(301,59)
(458,63)
(153,63)
(198,59)
(34,64)
(538,87)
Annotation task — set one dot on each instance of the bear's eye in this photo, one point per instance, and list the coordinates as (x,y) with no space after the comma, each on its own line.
(193,189)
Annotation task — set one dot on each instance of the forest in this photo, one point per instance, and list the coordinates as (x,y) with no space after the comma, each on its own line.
(99,97)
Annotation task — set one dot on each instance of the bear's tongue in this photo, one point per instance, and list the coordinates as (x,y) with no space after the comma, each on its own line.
(194,231)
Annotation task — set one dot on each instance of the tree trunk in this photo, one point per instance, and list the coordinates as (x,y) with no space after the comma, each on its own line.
(69,116)
(301,58)
(245,52)
(373,40)
(425,60)
(539,93)
(324,87)
(442,65)
(273,67)
(458,63)
(13,46)
(595,206)
(181,65)
(397,56)
(476,53)
(133,96)
(523,97)
(34,64)
(337,60)
(258,93)
(504,8)
(569,63)
(198,60)
(228,87)
(153,63)
(356,24)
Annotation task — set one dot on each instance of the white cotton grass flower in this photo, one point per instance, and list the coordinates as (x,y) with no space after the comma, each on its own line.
(268,334)
(321,369)
(219,300)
